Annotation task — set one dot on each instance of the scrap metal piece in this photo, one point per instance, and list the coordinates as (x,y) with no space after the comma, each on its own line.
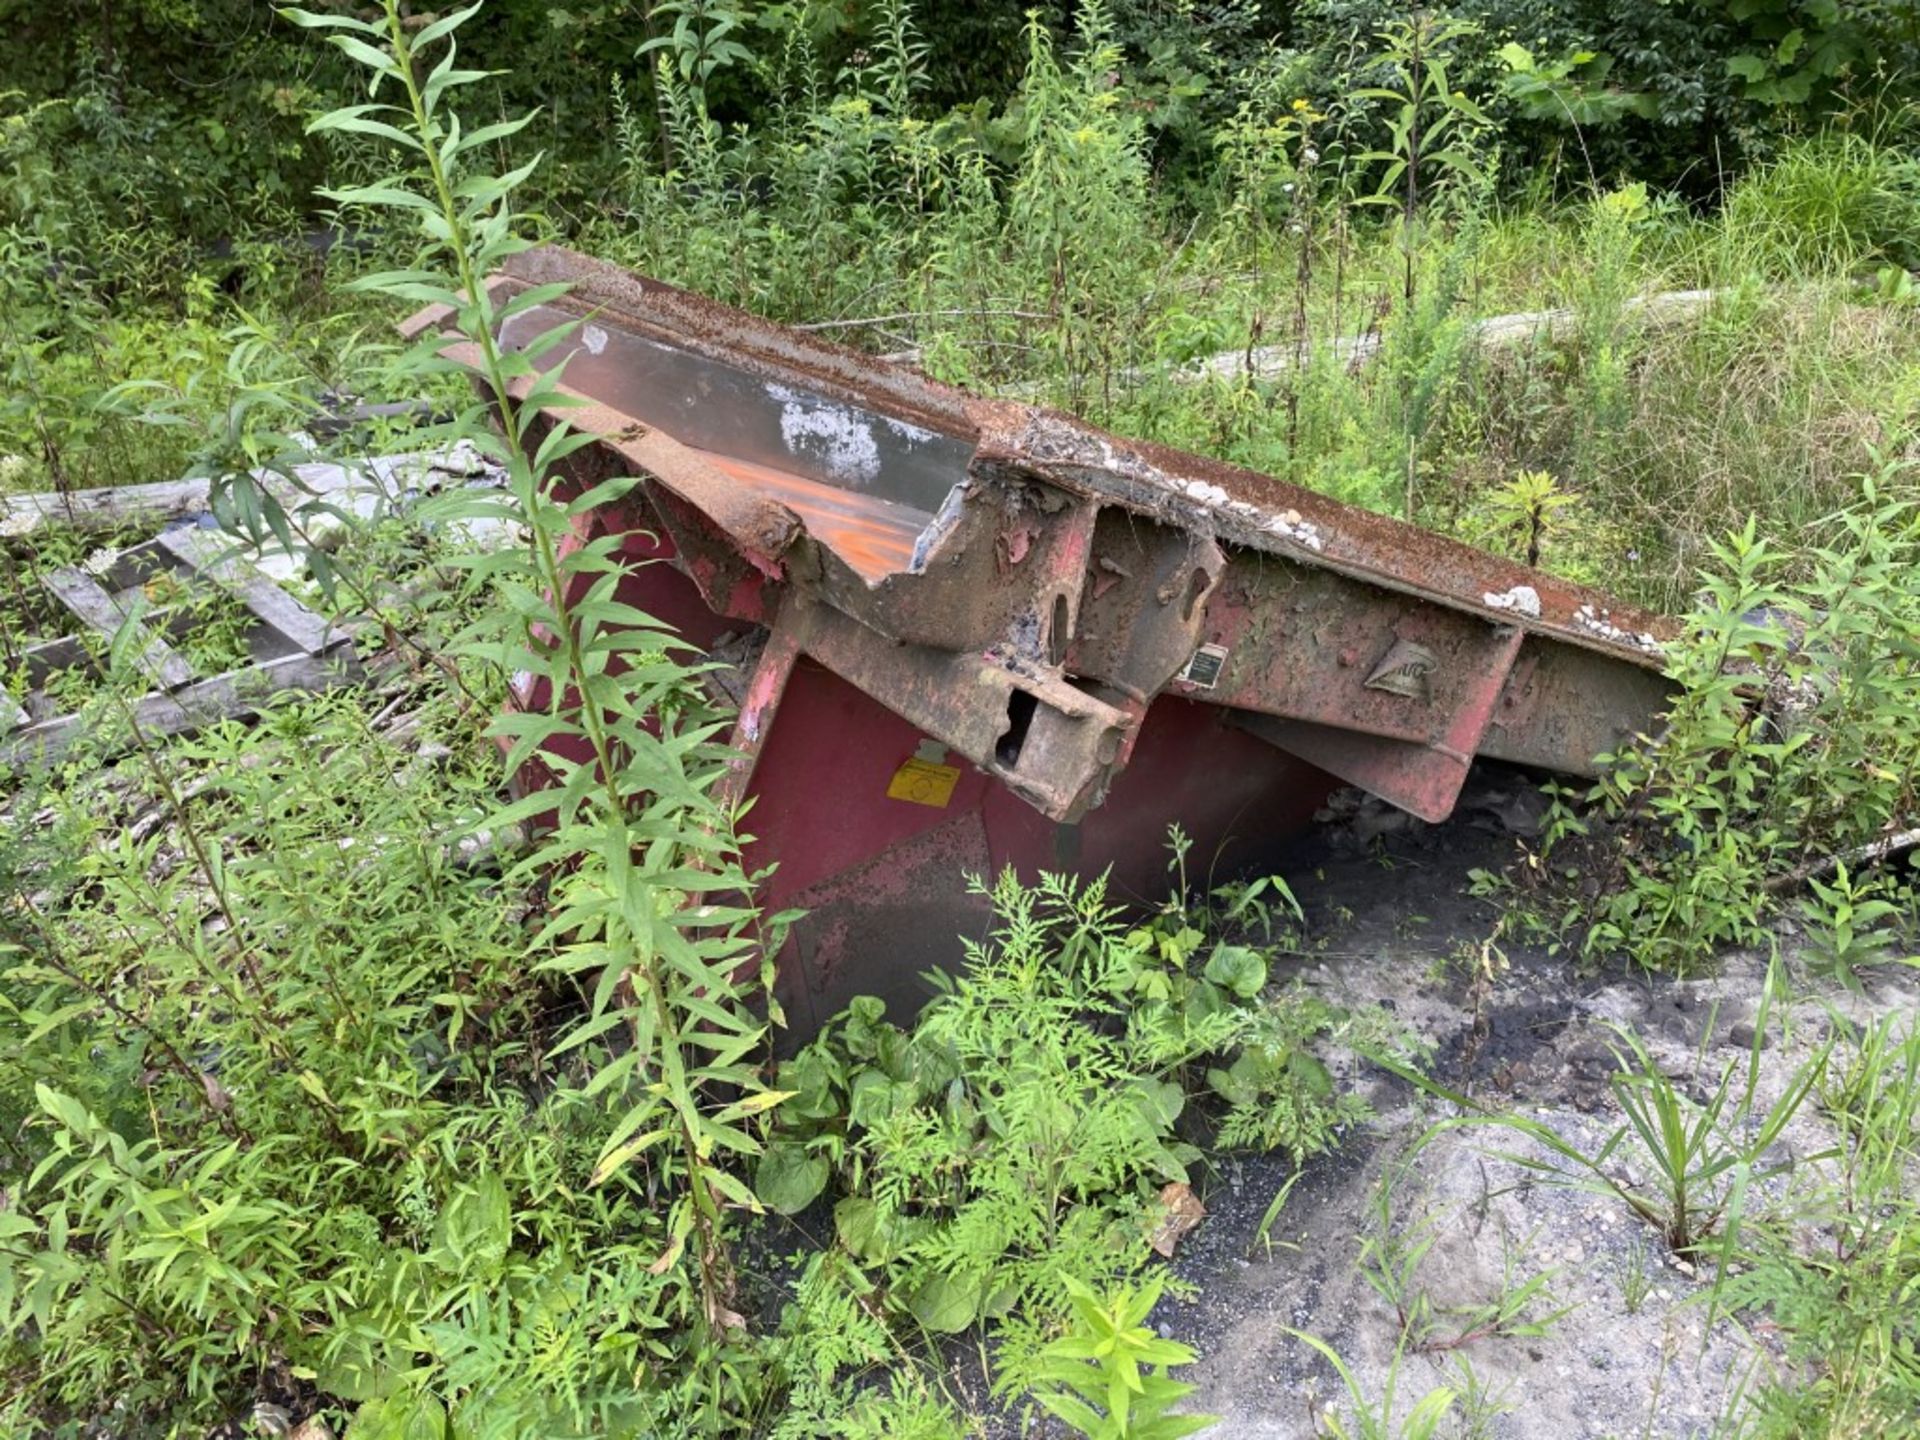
(941,528)
(1422,776)
(996,635)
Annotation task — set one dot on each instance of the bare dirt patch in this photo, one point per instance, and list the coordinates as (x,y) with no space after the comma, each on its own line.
(1639,1350)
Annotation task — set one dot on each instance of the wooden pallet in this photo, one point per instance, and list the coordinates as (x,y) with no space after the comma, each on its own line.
(290,646)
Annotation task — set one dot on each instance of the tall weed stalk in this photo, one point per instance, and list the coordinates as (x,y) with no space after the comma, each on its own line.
(648,906)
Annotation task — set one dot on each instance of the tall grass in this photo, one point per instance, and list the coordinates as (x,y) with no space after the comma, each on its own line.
(1035,252)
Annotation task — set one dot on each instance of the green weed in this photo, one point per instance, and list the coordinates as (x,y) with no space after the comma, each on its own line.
(1016,1138)
(1701,1157)
(1788,737)
(1106,1377)
(1846,923)
(1840,1277)
(1371,1418)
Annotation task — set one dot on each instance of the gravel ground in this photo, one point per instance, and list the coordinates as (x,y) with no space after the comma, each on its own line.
(1634,1355)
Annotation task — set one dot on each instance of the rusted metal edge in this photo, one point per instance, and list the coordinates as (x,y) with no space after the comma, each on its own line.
(1241,506)
(764,528)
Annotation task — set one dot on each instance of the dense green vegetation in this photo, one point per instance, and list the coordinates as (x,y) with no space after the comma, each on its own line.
(1137,190)
(301,1106)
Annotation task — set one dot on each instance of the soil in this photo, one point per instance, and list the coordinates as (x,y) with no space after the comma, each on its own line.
(1635,1353)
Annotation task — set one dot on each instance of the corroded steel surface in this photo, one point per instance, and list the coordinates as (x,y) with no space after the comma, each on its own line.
(1256,510)
(1022,586)
(982,633)
(873,535)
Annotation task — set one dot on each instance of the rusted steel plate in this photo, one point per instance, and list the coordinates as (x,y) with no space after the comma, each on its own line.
(873,535)
(1192,491)
(1023,590)
(1422,776)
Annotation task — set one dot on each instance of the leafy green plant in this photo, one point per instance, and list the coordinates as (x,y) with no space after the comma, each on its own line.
(618,914)
(1076,209)
(1018,1135)
(1573,89)
(701,41)
(1480,1405)
(1430,125)
(833,1327)
(318,1167)
(1524,511)
(1008,1143)
(1263,1232)
(1106,1378)
(1846,922)
(1840,1278)
(1788,736)
(1637,1283)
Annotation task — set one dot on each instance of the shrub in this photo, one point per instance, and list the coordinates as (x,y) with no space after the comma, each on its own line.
(1017,1137)
(1792,735)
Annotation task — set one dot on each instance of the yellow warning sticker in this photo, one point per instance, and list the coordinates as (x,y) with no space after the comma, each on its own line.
(922,782)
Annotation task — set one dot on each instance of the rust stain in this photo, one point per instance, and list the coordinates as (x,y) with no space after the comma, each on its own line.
(1021,586)
(873,535)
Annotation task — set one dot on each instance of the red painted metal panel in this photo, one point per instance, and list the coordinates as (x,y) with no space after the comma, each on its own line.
(964,634)
(884,878)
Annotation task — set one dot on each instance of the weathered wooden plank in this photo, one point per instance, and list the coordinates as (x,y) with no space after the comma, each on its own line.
(95,608)
(211,553)
(236,693)
(102,508)
(110,506)
(42,662)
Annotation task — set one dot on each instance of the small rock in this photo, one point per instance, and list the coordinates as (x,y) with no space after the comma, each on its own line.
(1591,1056)
(1741,1037)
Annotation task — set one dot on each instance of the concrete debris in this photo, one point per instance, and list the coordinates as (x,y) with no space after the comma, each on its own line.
(1496,332)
